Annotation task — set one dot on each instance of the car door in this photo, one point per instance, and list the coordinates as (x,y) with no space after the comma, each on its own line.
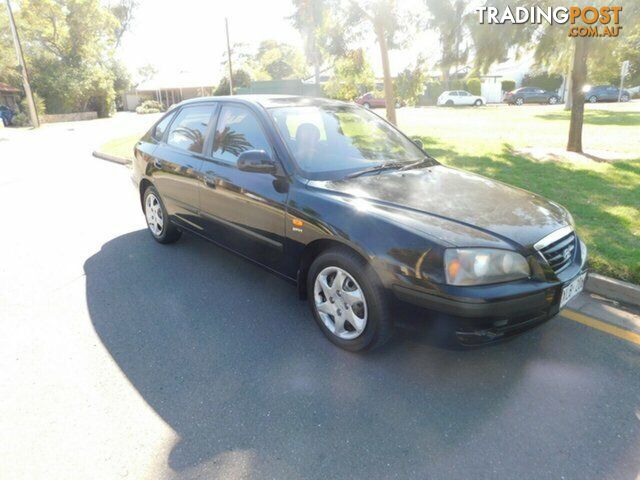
(611,94)
(177,160)
(244,211)
(465,98)
(453,96)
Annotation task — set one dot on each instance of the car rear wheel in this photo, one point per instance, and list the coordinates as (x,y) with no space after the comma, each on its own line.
(478,103)
(553,100)
(593,99)
(519,101)
(449,103)
(348,301)
(158,223)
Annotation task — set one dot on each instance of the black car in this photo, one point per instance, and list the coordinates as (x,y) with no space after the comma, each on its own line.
(523,95)
(333,198)
(606,93)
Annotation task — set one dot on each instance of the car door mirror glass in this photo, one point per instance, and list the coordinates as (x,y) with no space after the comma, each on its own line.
(257,161)
(418,142)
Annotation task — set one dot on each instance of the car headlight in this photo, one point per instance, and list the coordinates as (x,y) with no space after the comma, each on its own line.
(482,266)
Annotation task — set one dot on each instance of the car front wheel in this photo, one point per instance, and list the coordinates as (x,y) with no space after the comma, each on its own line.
(449,103)
(593,99)
(366,105)
(478,103)
(553,100)
(157,219)
(519,101)
(624,98)
(348,301)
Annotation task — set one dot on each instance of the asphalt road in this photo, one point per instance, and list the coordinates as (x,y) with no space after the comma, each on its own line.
(123,358)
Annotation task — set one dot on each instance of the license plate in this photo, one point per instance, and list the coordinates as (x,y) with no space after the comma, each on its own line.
(572,289)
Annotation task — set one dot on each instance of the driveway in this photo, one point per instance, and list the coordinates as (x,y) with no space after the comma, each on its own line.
(123,358)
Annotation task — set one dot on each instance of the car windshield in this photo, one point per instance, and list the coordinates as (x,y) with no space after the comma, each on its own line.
(329,142)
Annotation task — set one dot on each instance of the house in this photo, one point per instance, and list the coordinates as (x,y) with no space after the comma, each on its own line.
(171,88)
(9,96)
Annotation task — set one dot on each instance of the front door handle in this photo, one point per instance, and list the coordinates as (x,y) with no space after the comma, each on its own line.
(210,180)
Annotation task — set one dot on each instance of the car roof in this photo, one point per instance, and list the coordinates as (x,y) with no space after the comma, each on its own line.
(269,101)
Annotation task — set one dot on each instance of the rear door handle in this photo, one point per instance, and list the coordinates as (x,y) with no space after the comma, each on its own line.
(157,163)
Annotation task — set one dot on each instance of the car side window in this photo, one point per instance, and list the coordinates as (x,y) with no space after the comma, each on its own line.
(454,94)
(237,131)
(189,129)
(161,127)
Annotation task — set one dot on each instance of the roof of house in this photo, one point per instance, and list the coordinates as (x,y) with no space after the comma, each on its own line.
(177,80)
(6,88)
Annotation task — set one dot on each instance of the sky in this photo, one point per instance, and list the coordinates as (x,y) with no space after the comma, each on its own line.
(189,35)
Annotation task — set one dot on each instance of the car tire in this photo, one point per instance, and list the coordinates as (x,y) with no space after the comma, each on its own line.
(553,100)
(519,101)
(397,105)
(624,98)
(366,105)
(449,103)
(158,224)
(478,103)
(365,324)
(593,99)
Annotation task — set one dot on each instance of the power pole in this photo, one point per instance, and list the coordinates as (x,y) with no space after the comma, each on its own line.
(33,114)
(226,26)
(624,69)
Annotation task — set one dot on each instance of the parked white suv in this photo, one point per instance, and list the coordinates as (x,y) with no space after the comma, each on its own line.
(460,97)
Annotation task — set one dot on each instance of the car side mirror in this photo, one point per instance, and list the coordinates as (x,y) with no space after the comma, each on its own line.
(418,142)
(257,161)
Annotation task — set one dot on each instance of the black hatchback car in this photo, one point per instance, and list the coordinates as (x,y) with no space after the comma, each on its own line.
(332,197)
(523,95)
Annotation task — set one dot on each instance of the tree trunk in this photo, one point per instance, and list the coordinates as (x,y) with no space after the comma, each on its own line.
(578,78)
(389,97)
(568,97)
(316,69)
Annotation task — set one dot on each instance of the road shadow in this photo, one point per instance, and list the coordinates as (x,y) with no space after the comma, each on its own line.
(232,361)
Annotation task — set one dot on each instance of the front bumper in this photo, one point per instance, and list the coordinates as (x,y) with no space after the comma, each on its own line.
(494,312)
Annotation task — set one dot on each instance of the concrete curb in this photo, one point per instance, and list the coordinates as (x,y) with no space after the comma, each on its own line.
(111,158)
(613,289)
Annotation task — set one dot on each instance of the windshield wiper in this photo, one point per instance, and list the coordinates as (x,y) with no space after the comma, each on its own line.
(377,168)
(422,161)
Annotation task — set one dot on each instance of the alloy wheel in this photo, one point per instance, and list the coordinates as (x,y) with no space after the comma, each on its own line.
(340,303)
(593,99)
(153,213)
(519,101)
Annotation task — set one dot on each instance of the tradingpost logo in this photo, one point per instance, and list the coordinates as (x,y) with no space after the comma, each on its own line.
(587,21)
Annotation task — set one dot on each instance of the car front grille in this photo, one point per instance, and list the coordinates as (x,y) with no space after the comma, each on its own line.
(557,250)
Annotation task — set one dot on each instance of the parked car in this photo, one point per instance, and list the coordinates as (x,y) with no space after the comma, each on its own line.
(336,200)
(370,100)
(6,114)
(450,98)
(523,95)
(606,93)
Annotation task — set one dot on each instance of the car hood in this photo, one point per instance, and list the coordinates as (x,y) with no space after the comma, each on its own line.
(509,213)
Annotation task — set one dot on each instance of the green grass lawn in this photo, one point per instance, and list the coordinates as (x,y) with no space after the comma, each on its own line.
(604,197)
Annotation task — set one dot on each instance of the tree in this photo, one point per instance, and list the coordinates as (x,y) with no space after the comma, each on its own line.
(123,11)
(352,76)
(241,78)
(410,83)
(449,18)
(147,72)
(383,16)
(279,61)
(309,19)
(69,48)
